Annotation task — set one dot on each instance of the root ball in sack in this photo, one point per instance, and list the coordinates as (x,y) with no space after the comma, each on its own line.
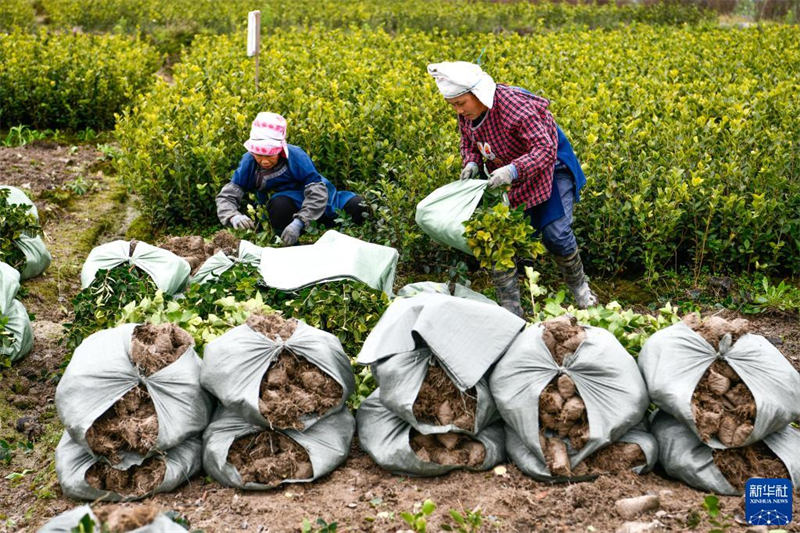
(136,481)
(613,459)
(562,336)
(723,406)
(294,388)
(740,464)
(440,402)
(269,458)
(563,416)
(131,424)
(714,328)
(448,449)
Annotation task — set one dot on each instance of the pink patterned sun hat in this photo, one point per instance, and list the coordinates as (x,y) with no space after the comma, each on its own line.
(267,135)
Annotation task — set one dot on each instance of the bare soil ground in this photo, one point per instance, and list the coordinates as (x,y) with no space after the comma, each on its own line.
(359,496)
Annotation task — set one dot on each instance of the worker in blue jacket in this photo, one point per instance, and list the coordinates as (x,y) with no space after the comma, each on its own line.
(300,194)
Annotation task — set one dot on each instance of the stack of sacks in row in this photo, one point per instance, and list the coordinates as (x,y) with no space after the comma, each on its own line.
(283,386)
(133,408)
(432,411)
(727,398)
(16,336)
(571,397)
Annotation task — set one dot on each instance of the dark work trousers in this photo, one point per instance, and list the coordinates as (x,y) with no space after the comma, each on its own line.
(281,210)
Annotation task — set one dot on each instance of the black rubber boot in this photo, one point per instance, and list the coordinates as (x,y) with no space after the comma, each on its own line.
(506,286)
(571,268)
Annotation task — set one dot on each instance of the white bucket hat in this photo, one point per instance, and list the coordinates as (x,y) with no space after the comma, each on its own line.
(268,135)
(454,78)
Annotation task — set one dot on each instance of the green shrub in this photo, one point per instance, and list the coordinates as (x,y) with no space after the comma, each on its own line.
(50,80)
(16,13)
(688,136)
(15,221)
(100,305)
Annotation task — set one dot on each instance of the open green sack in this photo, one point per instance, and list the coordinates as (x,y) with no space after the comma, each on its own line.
(326,443)
(333,257)
(218,263)
(170,273)
(73,462)
(443,212)
(37,258)
(18,324)
(386,438)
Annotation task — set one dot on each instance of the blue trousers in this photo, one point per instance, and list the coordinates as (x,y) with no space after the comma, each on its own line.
(557,236)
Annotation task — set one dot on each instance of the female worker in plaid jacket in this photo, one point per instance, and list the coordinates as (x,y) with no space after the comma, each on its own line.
(513,134)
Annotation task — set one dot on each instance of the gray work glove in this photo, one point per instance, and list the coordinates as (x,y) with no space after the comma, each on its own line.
(242,222)
(502,176)
(292,232)
(469,172)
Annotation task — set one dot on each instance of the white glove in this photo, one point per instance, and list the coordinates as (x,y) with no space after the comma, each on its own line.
(242,222)
(503,176)
(292,232)
(469,172)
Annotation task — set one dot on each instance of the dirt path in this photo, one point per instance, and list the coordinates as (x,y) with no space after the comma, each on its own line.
(359,496)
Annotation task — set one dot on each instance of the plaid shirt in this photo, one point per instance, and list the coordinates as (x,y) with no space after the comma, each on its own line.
(517,129)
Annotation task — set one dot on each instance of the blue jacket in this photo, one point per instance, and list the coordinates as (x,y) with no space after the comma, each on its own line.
(300,171)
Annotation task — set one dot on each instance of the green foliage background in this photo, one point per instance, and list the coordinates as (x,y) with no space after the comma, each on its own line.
(688,136)
(52,80)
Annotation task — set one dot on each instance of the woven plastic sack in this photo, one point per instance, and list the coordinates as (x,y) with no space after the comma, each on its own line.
(333,257)
(685,457)
(605,376)
(674,360)
(533,466)
(73,461)
(19,323)
(218,263)
(327,444)
(101,372)
(68,520)
(37,258)
(169,272)
(460,291)
(235,363)
(385,437)
(443,212)
(464,336)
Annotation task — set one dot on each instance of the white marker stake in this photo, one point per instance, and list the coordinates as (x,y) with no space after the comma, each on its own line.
(254,37)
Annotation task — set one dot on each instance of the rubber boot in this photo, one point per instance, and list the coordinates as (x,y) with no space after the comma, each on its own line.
(571,268)
(506,286)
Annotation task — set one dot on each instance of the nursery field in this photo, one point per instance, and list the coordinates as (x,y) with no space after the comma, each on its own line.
(121,121)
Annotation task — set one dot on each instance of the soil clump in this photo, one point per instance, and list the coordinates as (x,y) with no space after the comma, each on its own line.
(293,388)
(439,401)
(122,518)
(723,406)
(740,464)
(135,481)
(273,326)
(613,459)
(714,328)
(131,424)
(155,346)
(562,413)
(562,336)
(195,250)
(269,457)
(448,449)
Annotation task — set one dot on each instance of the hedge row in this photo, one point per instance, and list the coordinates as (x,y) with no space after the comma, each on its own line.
(16,13)
(179,20)
(689,138)
(50,80)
